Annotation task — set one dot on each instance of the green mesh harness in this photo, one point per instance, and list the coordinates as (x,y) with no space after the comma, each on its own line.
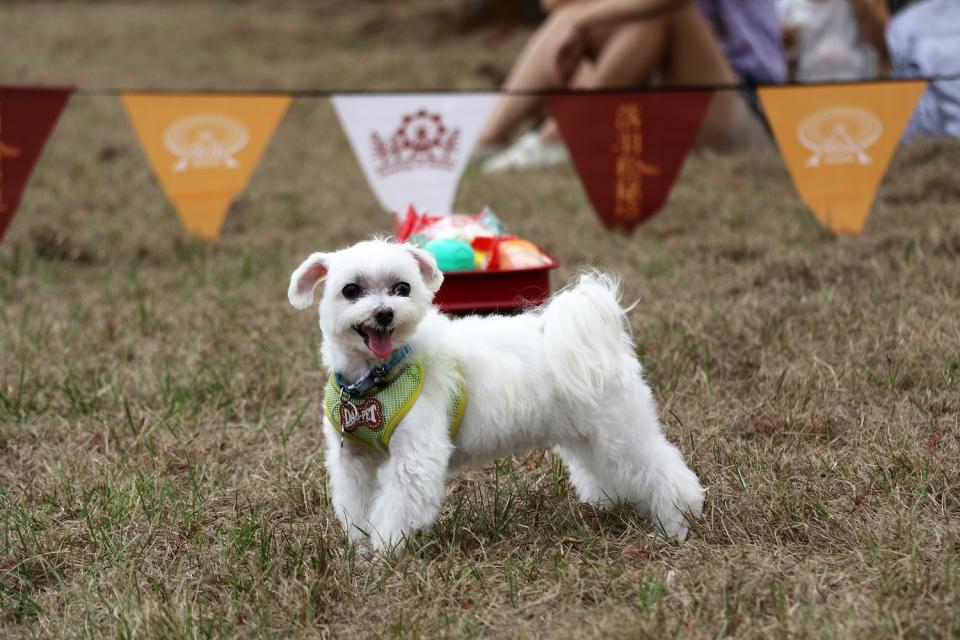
(371,417)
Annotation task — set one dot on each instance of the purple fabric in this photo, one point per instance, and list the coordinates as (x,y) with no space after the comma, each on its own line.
(749,35)
(924,39)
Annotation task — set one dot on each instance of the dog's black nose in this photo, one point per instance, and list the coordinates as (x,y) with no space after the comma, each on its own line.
(383,316)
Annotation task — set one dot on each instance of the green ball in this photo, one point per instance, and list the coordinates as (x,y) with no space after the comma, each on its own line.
(452,254)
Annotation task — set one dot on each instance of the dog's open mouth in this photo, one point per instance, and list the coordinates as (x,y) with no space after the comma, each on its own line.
(379,341)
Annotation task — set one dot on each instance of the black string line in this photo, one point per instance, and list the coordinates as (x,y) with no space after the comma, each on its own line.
(326,93)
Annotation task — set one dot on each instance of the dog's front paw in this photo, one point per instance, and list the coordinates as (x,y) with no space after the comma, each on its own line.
(673,526)
(684,506)
(675,523)
(365,557)
(386,545)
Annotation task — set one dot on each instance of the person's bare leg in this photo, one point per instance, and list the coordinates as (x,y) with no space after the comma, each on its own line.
(694,57)
(630,54)
(583,78)
(633,53)
(534,69)
(679,45)
(682,47)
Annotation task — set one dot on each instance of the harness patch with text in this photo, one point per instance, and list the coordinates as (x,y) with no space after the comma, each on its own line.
(370,418)
(368,413)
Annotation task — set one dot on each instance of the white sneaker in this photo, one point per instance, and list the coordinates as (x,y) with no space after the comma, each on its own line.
(528,151)
(483,152)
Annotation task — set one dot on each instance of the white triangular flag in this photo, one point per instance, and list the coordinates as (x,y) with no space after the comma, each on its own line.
(413,148)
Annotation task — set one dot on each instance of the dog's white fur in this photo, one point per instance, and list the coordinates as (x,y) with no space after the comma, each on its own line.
(564,376)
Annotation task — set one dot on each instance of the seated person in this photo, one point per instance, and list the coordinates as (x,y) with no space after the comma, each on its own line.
(924,40)
(834,39)
(617,43)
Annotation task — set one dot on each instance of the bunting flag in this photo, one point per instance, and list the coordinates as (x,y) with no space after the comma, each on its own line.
(203,148)
(628,148)
(27,116)
(837,141)
(413,148)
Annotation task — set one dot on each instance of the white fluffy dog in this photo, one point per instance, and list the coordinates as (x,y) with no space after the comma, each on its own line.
(563,376)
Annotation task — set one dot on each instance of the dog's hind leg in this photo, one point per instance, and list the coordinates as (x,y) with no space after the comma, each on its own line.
(642,466)
(352,471)
(656,477)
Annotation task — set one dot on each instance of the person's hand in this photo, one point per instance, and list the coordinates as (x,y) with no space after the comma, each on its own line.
(789,36)
(573,48)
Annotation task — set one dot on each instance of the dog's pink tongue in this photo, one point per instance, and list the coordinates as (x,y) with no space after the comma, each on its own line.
(380,343)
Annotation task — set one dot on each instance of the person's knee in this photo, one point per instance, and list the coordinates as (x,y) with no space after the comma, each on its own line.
(563,18)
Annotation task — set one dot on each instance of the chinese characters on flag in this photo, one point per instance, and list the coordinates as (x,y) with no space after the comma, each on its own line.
(628,148)
(837,141)
(631,167)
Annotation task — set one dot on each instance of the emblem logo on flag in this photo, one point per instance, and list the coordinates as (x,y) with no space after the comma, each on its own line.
(205,141)
(203,148)
(839,135)
(419,146)
(421,140)
(851,130)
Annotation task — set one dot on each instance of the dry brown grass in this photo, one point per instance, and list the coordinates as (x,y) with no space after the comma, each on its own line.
(159,449)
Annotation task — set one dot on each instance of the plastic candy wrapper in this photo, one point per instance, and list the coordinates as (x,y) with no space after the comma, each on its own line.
(452,238)
(421,228)
(512,253)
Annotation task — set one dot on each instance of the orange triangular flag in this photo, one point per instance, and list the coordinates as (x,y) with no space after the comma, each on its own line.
(204,148)
(837,141)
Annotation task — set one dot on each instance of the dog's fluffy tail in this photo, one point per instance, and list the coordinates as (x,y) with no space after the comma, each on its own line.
(587,337)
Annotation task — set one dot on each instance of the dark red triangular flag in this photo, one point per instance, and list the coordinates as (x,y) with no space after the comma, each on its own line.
(27,115)
(628,147)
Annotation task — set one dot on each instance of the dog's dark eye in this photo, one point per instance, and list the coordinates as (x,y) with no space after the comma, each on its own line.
(351,291)
(401,289)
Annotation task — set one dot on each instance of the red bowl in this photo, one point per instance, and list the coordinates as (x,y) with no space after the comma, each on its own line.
(495,291)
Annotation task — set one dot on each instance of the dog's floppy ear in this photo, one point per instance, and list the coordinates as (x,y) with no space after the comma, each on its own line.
(306,278)
(432,276)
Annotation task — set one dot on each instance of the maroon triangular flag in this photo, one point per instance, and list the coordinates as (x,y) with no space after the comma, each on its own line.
(628,147)
(27,115)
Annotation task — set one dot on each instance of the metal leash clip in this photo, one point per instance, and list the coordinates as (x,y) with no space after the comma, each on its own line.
(340,401)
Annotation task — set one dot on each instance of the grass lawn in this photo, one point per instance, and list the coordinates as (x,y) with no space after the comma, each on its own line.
(160,451)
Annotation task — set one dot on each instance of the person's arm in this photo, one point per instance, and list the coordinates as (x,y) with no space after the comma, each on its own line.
(873,16)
